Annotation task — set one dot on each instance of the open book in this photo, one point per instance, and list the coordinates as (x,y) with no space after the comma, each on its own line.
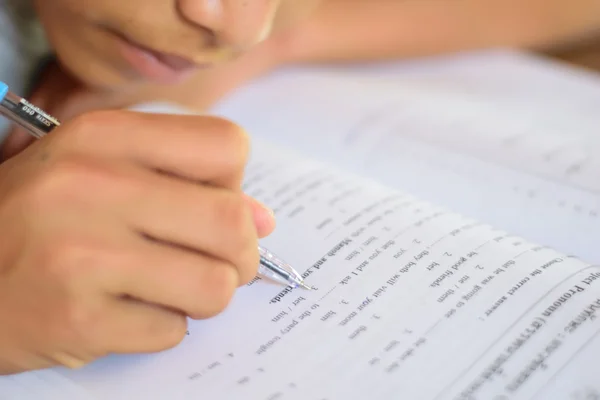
(446,211)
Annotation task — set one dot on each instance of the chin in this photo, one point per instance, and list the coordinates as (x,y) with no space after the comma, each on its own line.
(93,73)
(104,79)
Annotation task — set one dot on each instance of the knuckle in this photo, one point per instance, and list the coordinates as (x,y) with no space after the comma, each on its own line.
(58,176)
(237,142)
(235,214)
(221,285)
(87,125)
(79,128)
(174,332)
(78,324)
(249,260)
(68,180)
(66,258)
(242,244)
(58,183)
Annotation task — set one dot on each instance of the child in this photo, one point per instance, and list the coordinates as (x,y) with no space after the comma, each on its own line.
(119,268)
(119,226)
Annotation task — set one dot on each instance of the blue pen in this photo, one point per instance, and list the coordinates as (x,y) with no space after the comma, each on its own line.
(21,112)
(38,123)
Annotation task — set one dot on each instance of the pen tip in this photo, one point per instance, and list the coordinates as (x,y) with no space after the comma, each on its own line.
(304,285)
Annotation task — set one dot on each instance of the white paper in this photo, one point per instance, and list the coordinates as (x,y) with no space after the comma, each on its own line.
(412,301)
(501,137)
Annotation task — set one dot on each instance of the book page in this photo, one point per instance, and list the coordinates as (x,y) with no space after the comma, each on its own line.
(412,301)
(509,140)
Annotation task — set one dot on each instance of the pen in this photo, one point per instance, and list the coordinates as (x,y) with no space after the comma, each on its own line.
(38,123)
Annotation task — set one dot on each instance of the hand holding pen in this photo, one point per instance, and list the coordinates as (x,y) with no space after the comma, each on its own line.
(108,241)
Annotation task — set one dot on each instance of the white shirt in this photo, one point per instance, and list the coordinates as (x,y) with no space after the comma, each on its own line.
(22,47)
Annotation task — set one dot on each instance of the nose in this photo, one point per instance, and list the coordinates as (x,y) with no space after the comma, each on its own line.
(232,23)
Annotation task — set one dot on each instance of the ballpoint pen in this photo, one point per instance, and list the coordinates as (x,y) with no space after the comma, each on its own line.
(38,123)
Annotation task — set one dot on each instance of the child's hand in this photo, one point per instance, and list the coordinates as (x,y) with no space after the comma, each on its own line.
(109,240)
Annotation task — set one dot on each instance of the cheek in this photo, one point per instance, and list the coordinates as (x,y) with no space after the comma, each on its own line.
(83,49)
(253,21)
(293,11)
(85,55)
(62,23)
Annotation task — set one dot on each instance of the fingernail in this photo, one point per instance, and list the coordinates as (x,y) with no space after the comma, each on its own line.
(69,361)
(264,217)
(260,204)
(267,209)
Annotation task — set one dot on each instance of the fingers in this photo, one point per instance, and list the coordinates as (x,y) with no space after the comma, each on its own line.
(123,326)
(206,219)
(264,218)
(124,201)
(124,251)
(194,284)
(197,148)
(137,327)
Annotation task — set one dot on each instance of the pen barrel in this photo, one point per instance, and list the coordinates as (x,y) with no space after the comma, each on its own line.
(273,268)
(35,121)
(270,272)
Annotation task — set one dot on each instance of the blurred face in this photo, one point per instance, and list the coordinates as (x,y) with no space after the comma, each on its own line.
(116,43)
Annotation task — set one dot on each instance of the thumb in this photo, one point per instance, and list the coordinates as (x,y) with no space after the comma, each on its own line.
(264,218)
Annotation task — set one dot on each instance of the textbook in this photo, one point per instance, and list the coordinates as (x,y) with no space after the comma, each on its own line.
(445,210)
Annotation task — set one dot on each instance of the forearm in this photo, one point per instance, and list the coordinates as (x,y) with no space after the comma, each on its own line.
(347,30)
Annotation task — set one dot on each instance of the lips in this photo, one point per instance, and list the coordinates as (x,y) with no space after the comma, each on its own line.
(174,62)
(156,66)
